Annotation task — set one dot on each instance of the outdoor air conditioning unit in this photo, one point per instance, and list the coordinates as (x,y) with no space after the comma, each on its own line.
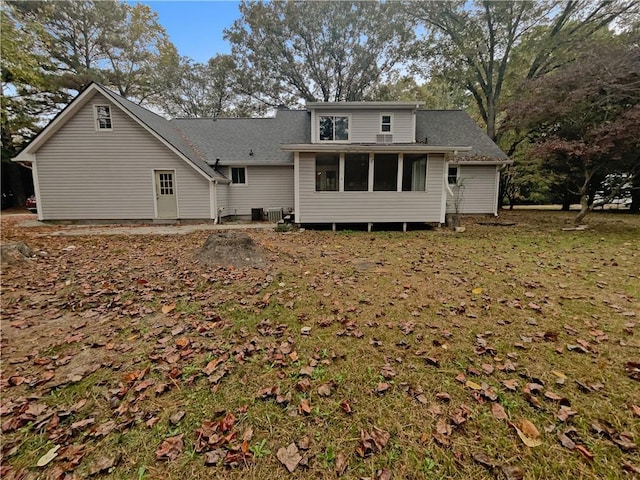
(384,138)
(274,215)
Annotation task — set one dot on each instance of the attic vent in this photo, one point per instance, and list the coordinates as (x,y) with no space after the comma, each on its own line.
(384,138)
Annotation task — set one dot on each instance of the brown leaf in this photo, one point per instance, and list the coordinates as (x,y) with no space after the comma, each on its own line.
(565,441)
(304,407)
(324,390)
(388,372)
(443,396)
(528,433)
(341,464)
(636,410)
(101,464)
(176,417)
(564,413)
(304,443)
(384,474)
(382,387)
(168,308)
(583,450)
(306,371)
(171,448)
(484,460)
(214,457)
(510,384)
(289,457)
(513,472)
(499,412)
(346,407)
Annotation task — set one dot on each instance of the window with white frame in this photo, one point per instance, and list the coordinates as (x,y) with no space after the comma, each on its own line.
(452,175)
(333,128)
(103,117)
(238,176)
(386,120)
(414,172)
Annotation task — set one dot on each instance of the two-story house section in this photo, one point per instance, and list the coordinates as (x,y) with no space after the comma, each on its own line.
(392,162)
(105,158)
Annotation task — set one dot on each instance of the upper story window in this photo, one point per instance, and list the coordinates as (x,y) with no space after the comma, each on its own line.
(103,117)
(334,128)
(386,120)
(238,176)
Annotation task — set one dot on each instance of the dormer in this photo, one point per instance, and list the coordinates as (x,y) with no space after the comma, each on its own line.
(363,122)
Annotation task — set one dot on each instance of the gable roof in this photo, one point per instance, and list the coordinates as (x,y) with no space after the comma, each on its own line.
(456,127)
(232,140)
(155,124)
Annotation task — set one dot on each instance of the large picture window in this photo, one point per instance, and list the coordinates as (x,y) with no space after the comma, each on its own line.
(356,172)
(334,128)
(385,172)
(327,173)
(414,173)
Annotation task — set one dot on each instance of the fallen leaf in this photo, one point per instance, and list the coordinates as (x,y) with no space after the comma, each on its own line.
(484,460)
(47,457)
(171,448)
(346,407)
(565,441)
(214,457)
(473,385)
(513,472)
(528,433)
(384,474)
(176,417)
(499,412)
(382,387)
(289,457)
(168,308)
(476,291)
(324,390)
(101,464)
(341,464)
(583,450)
(304,407)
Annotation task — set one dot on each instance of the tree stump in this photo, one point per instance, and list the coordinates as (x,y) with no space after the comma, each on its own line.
(15,253)
(235,249)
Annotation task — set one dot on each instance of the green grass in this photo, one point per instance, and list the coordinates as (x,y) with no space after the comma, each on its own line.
(586,281)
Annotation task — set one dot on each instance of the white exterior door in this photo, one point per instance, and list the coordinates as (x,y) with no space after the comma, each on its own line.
(166,203)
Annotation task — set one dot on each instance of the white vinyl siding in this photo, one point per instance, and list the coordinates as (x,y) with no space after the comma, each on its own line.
(267,187)
(366,124)
(360,207)
(87,175)
(479,189)
(222,199)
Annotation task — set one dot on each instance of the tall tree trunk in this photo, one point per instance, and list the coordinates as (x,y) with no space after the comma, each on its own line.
(566,203)
(635,195)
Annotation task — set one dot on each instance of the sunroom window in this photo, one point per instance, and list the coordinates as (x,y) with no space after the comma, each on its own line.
(333,128)
(327,172)
(414,173)
(385,172)
(356,172)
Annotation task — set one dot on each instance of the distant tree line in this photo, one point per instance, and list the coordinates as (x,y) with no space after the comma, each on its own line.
(555,83)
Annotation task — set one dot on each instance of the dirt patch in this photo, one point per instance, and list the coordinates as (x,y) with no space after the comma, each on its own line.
(232,249)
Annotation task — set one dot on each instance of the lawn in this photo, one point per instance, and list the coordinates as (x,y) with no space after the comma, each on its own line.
(501,352)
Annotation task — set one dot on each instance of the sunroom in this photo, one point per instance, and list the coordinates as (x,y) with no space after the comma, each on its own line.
(369,184)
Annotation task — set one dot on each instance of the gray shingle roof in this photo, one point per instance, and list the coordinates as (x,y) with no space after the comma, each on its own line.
(232,139)
(453,128)
(165,129)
